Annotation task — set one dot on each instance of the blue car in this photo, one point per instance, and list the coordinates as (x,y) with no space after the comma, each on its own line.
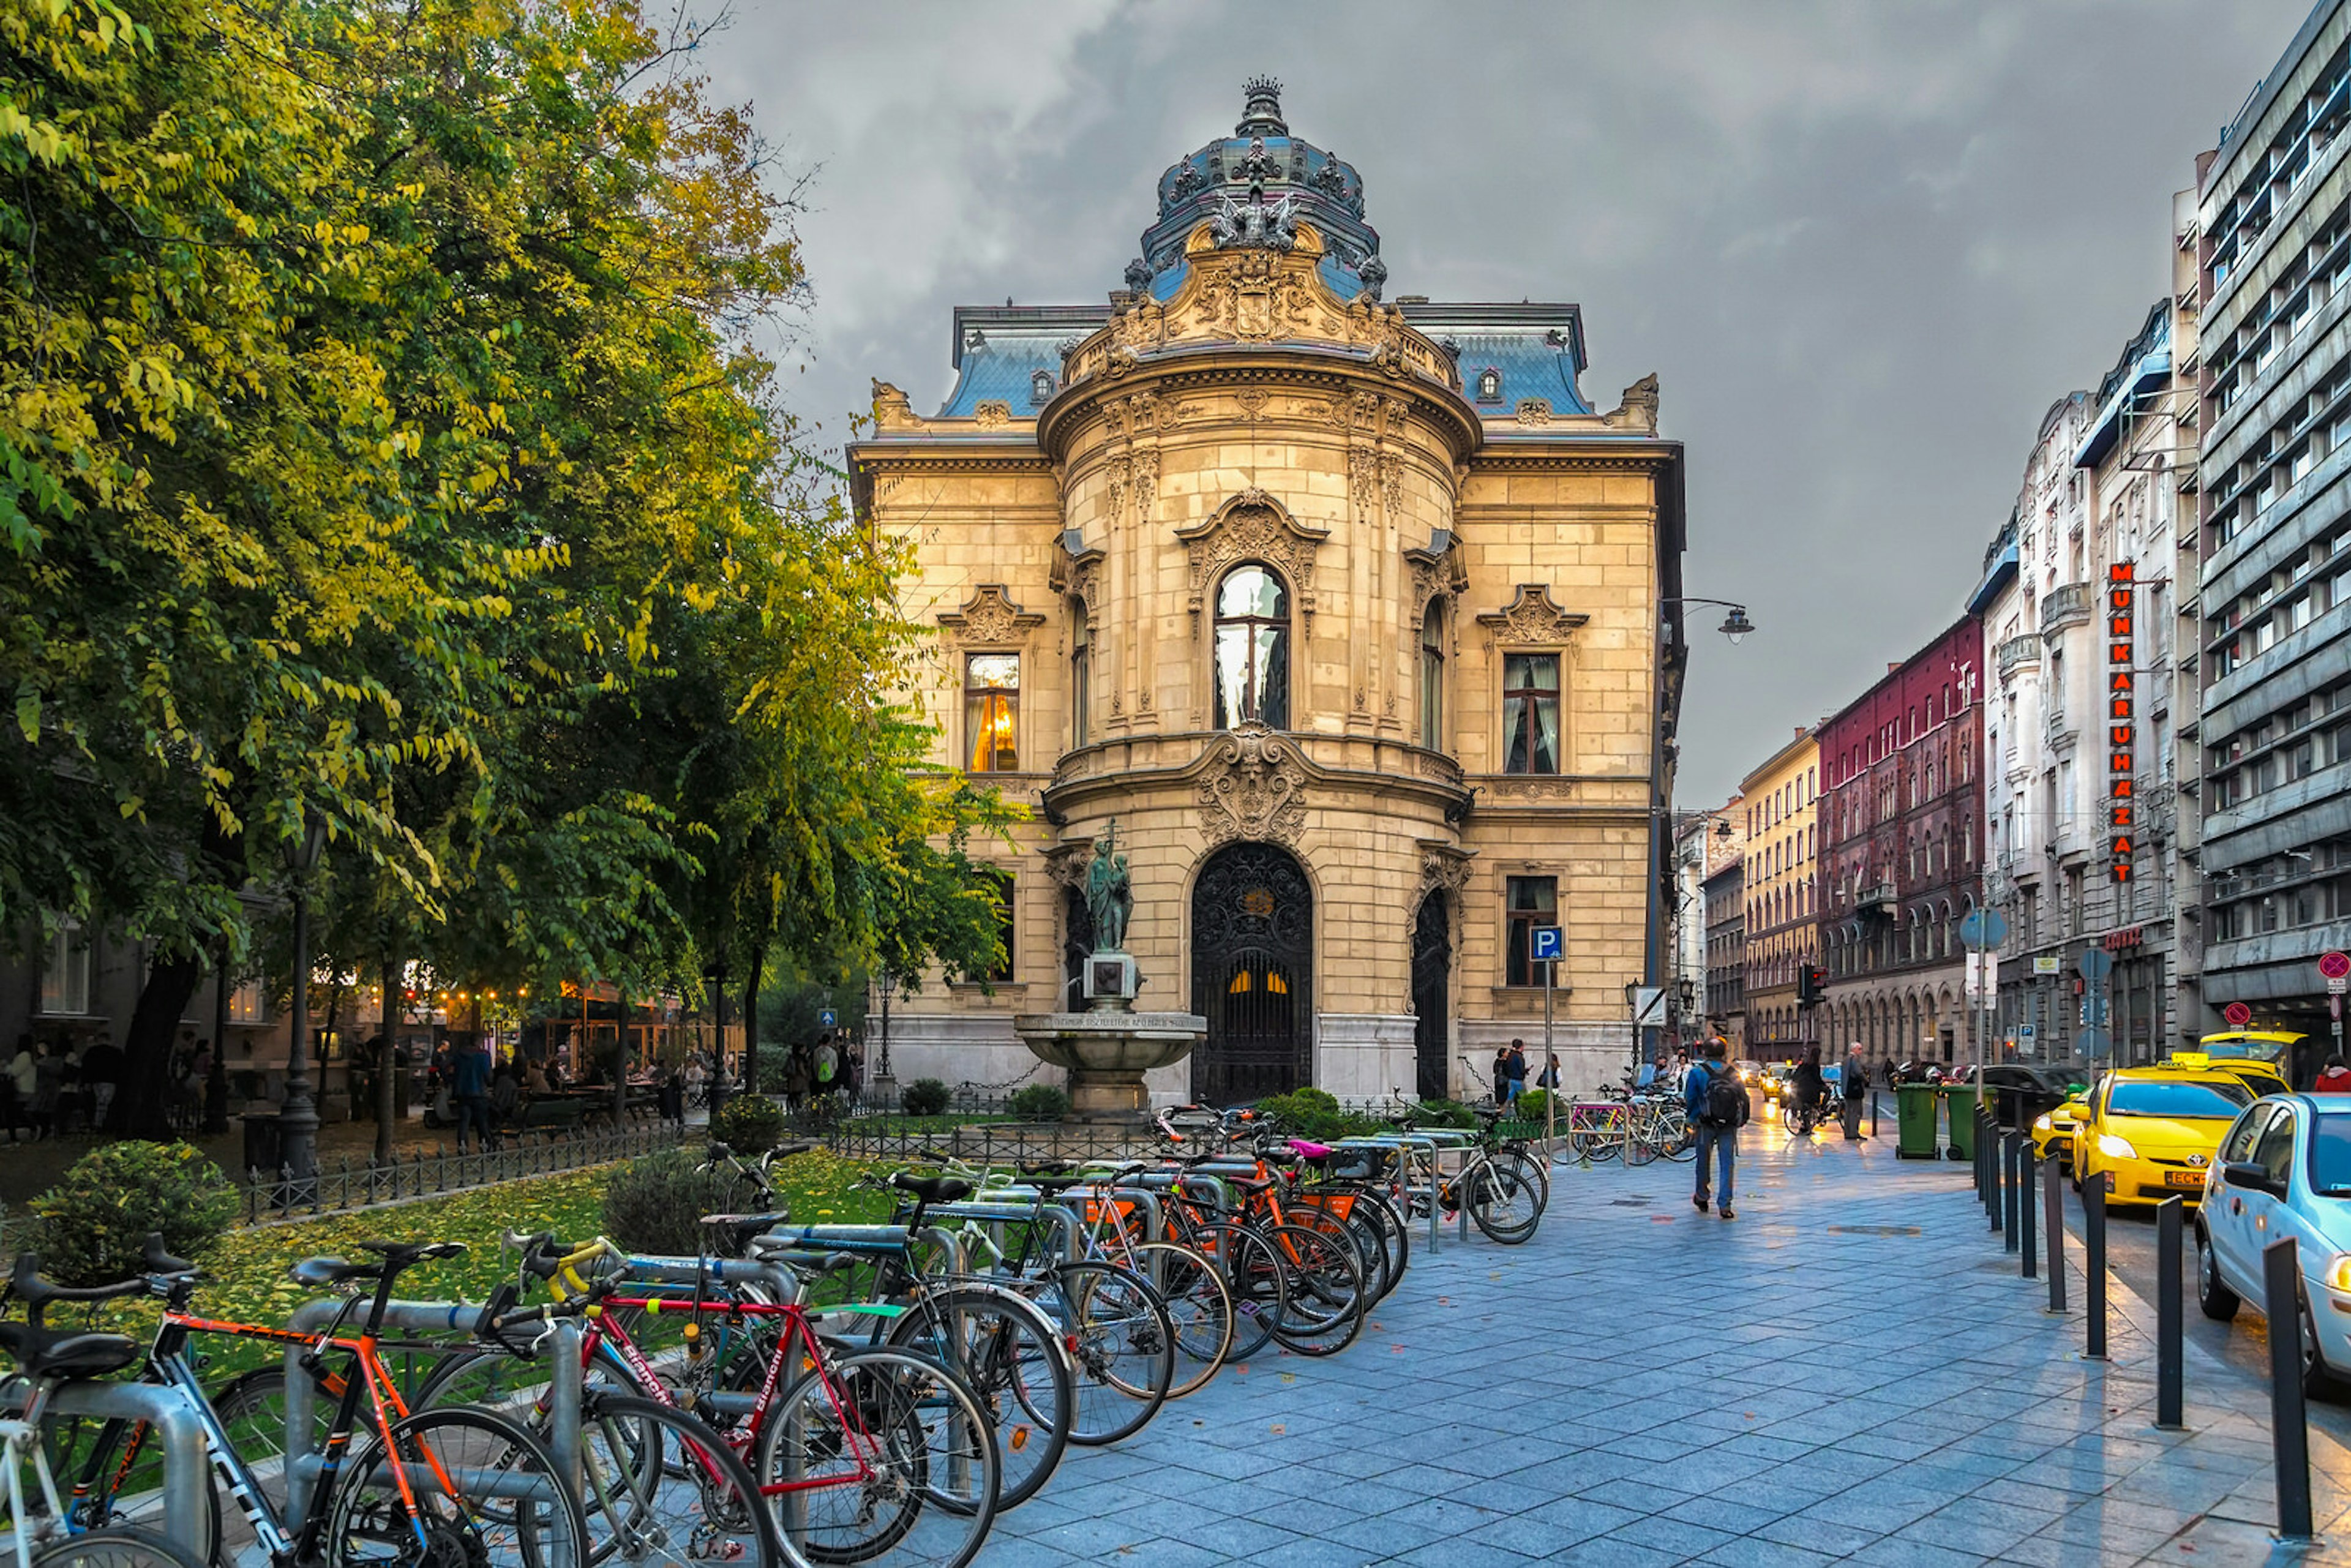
(2284,1169)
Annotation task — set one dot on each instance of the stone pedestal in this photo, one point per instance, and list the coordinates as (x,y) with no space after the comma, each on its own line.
(1109,1050)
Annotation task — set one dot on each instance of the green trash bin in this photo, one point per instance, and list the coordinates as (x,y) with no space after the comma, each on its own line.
(1913,1122)
(1960,1110)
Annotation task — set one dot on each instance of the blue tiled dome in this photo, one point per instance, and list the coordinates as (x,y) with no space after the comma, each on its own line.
(1261,168)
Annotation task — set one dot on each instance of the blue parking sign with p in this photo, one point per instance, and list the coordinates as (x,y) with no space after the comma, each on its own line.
(1546,944)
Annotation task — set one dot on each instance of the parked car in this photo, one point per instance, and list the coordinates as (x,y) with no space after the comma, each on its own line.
(2052,1132)
(2150,1132)
(2284,1169)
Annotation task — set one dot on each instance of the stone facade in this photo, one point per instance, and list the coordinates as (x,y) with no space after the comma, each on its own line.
(1782,888)
(1902,827)
(1282,579)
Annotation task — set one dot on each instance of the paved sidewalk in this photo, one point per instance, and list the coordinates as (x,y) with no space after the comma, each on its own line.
(1851,1370)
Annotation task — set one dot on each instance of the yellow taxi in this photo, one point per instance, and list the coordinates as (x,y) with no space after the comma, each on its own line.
(2151,1132)
(2053,1131)
(2256,1073)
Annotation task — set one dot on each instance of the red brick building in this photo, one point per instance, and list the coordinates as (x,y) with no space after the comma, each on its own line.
(1901,852)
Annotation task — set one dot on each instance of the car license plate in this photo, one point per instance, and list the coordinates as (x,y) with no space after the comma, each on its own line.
(2183,1178)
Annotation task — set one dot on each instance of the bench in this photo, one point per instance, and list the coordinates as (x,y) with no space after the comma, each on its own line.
(550,1111)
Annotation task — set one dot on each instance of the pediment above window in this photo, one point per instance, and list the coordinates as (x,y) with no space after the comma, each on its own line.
(1531,620)
(1251,526)
(990,618)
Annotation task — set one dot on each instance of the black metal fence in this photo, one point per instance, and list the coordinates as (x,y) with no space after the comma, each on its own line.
(986,1141)
(363,1183)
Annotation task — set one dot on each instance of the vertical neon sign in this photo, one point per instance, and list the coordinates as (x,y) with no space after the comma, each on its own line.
(2122,702)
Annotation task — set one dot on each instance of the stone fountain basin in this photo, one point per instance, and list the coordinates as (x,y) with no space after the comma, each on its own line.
(1109,1041)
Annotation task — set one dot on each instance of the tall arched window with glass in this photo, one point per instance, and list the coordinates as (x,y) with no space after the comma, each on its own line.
(1530,713)
(1432,676)
(1082,683)
(991,709)
(1252,649)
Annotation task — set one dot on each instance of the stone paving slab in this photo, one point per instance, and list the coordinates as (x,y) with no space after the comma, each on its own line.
(1643,1384)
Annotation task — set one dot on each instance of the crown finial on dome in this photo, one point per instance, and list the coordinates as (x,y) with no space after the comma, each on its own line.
(1262,113)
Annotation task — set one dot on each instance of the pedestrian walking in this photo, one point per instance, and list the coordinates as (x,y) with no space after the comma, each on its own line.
(826,1063)
(1855,1084)
(1811,1088)
(49,1084)
(1517,1070)
(469,1086)
(1716,1103)
(23,1078)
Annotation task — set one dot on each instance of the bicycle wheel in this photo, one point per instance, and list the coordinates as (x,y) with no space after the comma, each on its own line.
(1677,1139)
(1254,1275)
(1536,1171)
(1396,1238)
(1371,1256)
(1503,1203)
(1199,1305)
(488,1494)
(1595,1140)
(116,1467)
(1325,1310)
(116,1546)
(659,1486)
(1123,1342)
(882,1458)
(1010,1356)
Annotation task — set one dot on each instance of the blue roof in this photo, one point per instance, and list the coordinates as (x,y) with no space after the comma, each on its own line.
(999,352)
(1535,350)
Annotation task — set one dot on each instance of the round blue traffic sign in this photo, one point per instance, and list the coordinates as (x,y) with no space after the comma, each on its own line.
(1983,929)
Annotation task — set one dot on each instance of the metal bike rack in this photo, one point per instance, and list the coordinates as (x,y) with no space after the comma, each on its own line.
(302,1465)
(1414,1143)
(185,1461)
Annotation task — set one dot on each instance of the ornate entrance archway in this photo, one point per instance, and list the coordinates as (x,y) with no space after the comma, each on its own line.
(1252,975)
(1432,967)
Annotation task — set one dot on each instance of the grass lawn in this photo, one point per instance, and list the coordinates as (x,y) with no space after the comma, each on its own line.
(248,1267)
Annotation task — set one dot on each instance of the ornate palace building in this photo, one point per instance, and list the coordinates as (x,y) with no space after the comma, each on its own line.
(1354,613)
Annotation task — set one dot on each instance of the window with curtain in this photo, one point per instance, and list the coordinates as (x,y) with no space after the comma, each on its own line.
(999,885)
(1530,713)
(991,708)
(1081,685)
(65,972)
(1252,649)
(1531,901)
(1432,677)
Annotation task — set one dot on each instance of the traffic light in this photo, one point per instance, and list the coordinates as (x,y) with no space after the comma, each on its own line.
(1811,985)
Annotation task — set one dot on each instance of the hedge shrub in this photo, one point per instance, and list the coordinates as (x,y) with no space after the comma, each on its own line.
(1314,1113)
(925,1097)
(655,1203)
(1041,1103)
(94,1223)
(748,1124)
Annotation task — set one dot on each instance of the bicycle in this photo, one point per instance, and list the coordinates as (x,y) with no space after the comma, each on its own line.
(414,1495)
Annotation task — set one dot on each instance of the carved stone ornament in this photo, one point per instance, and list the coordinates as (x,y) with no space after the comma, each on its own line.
(1436,571)
(892,410)
(990,619)
(1637,409)
(1254,788)
(1076,571)
(989,412)
(1531,620)
(1066,864)
(1534,412)
(1442,868)
(1252,526)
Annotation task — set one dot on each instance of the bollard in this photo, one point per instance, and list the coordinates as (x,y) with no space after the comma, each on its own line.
(1983,1165)
(1992,1197)
(2093,1243)
(2168,1324)
(2028,1201)
(2009,1188)
(2053,1213)
(2289,1420)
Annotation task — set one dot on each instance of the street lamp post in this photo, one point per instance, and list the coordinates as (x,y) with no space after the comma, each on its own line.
(1735,627)
(298,1115)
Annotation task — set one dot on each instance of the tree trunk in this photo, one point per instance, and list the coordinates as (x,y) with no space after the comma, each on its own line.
(141,1105)
(387,1057)
(620,1062)
(751,1084)
(216,1080)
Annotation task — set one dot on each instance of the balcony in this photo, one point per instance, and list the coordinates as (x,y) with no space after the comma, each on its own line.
(1877,899)
(2018,652)
(2066,606)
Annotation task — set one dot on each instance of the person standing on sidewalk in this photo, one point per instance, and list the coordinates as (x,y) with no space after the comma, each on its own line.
(1856,1083)
(1518,1070)
(1716,1103)
(469,1068)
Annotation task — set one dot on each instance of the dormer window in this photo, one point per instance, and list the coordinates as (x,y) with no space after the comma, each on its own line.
(1040,387)
(1489,385)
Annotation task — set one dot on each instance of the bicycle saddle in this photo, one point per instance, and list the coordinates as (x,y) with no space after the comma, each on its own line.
(66,1353)
(735,1231)
(326,1273)
(1308,1149)
(932,1189)
(1054,1185)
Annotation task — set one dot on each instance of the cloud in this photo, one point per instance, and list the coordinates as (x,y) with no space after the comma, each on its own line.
(1862,245)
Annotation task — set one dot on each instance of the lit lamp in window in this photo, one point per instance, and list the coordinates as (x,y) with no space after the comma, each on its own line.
(992,711)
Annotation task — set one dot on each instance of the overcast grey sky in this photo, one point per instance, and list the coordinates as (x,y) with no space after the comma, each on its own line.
(1863,245)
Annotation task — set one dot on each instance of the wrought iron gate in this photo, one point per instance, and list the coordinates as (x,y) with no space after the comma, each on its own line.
(1432,967)
(1252,975)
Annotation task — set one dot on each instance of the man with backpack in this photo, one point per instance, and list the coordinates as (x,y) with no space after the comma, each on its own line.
(1716,1103)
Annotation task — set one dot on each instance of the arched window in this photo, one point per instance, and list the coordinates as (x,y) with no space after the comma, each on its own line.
(1252,649)
(1040,387)
(1432,676)
(1081,675)
(1489,386)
